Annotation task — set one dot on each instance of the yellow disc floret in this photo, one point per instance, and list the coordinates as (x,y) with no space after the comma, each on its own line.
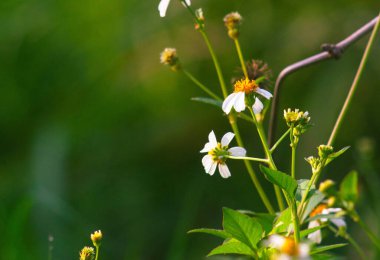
(219,153)
(318,210)
(289,247)
(245,85)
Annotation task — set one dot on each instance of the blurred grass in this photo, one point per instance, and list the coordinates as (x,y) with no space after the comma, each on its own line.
(96,134)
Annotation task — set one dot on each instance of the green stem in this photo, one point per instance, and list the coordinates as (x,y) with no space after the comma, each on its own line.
(250,170)
(279,141)
(248,158)
(293,170)
(303,204)
(354,84)
(351,241)
(97,252)
(261,133)
(240,54)
(369,233)
(200,85)
(296,224)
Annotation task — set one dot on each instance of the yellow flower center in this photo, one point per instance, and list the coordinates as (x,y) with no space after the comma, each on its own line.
(289,247)
(219,153)
(245,85)
(318,210)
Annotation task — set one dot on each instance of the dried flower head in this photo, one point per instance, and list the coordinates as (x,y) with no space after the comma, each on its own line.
(169,57)
(96,238)
(232,21)
(87,253)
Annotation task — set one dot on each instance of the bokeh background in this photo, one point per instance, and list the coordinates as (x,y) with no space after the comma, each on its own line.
(96,134)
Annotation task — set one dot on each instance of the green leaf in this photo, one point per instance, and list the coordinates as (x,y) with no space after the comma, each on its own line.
(281,179)
(326,248)
(209,101)
(301,188)
(265,219)
(349,187)
(315,199)
(336,154)
(232,246)
(243,228)
(308,231)
(281,225)
(214,232)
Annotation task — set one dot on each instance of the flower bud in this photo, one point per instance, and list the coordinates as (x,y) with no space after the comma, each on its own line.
(324,151)
(87,253)
(331,202)
(96,238)
(169,57)
(325,186)
(232,21)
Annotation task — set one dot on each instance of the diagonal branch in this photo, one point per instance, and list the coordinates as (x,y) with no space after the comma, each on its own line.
(329,51)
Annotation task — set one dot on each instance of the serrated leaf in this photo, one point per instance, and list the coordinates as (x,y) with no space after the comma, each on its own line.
(232,246)
(283,180)
(349,187)
(326,248)
(209,101)
(281,225)
(243,228)
(215,232)
(308,231)
(336,154)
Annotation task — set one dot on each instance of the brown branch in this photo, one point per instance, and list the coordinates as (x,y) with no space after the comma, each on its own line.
(329,51)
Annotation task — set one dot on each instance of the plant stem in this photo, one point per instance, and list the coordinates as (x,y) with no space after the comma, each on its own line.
(350,240)
(303,203)
(240,54)
(250,170)
(293,170)
(369,233)
(354,85)
(200,85)
(296,224)
(261,133)
(279,141)
(248,158)
(97,252)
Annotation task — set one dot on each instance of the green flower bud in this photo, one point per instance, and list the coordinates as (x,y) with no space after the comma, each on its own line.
(87,253)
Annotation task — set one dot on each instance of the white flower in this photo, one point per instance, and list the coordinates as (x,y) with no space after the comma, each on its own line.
(163,6)
(218,152)
(237,99)
(287,248)
(316,236)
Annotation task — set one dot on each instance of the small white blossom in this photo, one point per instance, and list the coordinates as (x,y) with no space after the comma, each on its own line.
(163,6)
(217,154)
(316,236)
(287,248)
(237,98)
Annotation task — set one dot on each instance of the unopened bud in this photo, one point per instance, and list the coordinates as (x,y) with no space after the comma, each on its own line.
(96,238)
(325,186)
(87,253)
(232,21)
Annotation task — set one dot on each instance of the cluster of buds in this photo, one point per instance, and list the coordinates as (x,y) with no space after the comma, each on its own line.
(232,21)
(87,253)
(324,153)
(298,121)
(169,57)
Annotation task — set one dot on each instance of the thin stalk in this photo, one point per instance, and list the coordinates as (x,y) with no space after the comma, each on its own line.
(296,224)
(279,141)
(293,170)
(97,252)
(369,233)
(354,85)
(303,204)
(240,54)
(261,133)
(200,85)
(351,241)
(248,158)
(250,170)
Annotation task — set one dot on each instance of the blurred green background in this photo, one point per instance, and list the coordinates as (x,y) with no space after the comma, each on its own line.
(96,134)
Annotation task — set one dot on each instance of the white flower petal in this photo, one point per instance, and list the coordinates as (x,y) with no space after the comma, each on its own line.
(331,210)
(239,104)
(224,171)
(163,6)
(207,161)
(188,2)
(276,241)
(212,169)
(303,251)
(339,222)
(228,103)
(264,93)
(257,106)
(207,148)
(237,151)
(316,236)
(226,139)
(212,139)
